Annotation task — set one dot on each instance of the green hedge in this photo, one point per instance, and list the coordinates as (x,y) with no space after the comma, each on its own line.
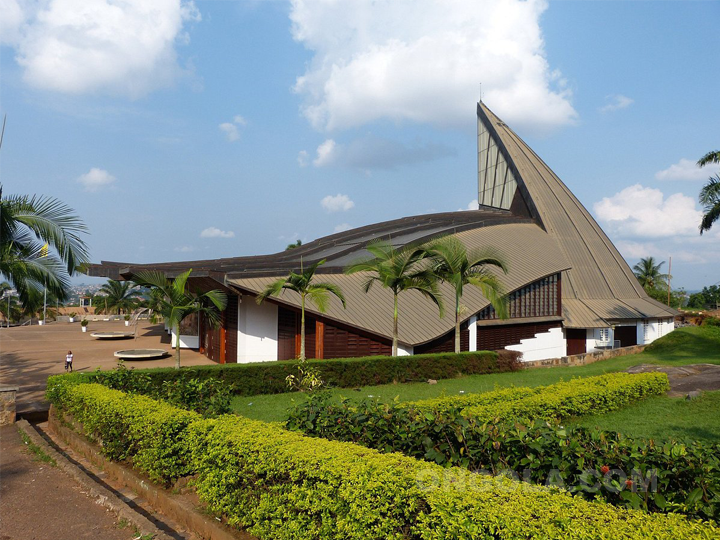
(577,397)
(283,485)
(269,377)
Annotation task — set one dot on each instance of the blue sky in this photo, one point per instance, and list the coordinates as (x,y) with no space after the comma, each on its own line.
(219,128)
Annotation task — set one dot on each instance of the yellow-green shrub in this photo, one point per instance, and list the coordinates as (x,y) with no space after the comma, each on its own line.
(283,485)
(593,395)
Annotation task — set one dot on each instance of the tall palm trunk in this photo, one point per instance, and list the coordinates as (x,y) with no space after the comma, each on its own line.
(177,346)
(302,327)
(457,322)
(395,326)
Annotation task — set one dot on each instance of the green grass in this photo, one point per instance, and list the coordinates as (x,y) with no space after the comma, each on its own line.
(662,418)
(33,448)
(689,345)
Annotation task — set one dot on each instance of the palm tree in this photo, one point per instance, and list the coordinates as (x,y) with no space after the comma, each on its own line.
(710,157)
(648,274)
(710,193)
(40,244)
(453,264)
(177,302)
(398,270)
(302,284)
(119,297)
(710,200)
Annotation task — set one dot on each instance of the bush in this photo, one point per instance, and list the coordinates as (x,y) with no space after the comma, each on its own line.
(281,485)
(711,321)
(687,476)
(270,377)
(209,397)
(148,434)
(578,397)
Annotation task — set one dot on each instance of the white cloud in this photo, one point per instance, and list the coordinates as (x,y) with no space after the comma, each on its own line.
(302,158)
(231,128)
(616,102)
(214,232)
(96,179)
(472,205)
(342,227)
(371,152)
(337,203)
(686,169)
(184,249)
(77,46)
(645,212)
(424,61)
(325,153)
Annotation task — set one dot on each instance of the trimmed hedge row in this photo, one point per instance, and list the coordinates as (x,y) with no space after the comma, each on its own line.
(269,377)
(279,484)
(577,397)
(589,463)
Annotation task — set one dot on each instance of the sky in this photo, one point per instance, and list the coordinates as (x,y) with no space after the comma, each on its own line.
(184,130)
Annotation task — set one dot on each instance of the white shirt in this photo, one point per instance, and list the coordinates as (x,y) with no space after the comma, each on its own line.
(69,358)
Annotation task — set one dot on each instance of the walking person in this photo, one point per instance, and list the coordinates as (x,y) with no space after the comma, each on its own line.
(68,361)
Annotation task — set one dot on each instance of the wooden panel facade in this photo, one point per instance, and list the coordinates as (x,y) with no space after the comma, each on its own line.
(541,298)
(324,339)
(494,338)
(231,326)
(446,343)
(576,341)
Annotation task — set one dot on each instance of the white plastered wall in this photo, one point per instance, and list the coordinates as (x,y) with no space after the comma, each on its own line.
(649,330)
(186,342)
(405,350)
(551,344)
(257,331)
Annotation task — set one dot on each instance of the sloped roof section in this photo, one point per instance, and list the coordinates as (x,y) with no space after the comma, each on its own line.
(530,252)
(598,275)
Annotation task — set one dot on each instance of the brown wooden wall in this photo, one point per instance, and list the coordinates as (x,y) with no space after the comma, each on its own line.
(541,298)
(494,338)
(446,343)
(231,326)
(323,339)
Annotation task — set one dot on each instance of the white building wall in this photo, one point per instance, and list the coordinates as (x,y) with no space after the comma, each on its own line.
(186,342)
(551,344)
(472,328)
(257,331)
(405,350)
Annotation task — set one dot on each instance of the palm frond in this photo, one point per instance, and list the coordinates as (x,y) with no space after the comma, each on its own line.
(710,157)
(331,288)
(274,289)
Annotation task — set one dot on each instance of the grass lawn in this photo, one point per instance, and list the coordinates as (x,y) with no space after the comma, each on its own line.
(688,345)
(663,417)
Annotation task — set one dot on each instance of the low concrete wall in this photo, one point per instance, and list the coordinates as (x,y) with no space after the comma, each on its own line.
(586,358)
(7,404)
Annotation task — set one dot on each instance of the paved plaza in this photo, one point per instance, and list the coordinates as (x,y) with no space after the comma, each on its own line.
(30,354)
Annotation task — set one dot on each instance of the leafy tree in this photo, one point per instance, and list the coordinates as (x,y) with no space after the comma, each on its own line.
(118,297)
(648,274)
(398,270)
(710,193)
(297,244)
(453,264)
(177,302)
(302,283)
(40,244)
(709,297)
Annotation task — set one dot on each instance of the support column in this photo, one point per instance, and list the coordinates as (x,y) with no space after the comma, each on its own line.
(319,339)
(472,328)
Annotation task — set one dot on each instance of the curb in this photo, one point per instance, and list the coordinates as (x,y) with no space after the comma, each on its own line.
(102,495)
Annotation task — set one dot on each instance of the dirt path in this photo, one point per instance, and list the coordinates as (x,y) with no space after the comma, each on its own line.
(40,502)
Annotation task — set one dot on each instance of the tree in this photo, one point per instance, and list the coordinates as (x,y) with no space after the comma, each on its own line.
(302,284)
(710,193)
(649,275)
(398,270)
(40,244)
(120,297)
(453,264)
(9,305)
(297,244)
(177,302)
